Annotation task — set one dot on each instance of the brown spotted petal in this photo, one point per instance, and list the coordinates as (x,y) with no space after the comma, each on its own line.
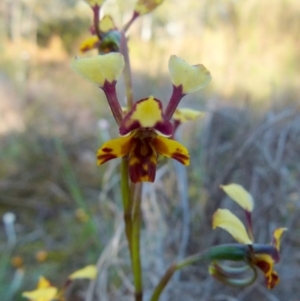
(265,263)
(142,160)
(112,149)
(146,113)
(172,149)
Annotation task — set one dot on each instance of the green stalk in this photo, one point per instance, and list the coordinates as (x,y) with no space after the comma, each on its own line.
(135,239)
(127,203)
(233,252)
(127,70)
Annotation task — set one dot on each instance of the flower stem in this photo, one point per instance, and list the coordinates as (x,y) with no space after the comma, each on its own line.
(127,70)
(234,252)
(174,101)
(135,240)
(131,196)
(129,23)
(96,11)
(112,98)
(127,204)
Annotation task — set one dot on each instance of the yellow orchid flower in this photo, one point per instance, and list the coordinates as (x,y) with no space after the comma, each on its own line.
(145,131)
(262,256)
(44,291)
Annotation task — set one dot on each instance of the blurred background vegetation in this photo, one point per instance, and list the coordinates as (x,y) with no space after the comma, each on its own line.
(67,210)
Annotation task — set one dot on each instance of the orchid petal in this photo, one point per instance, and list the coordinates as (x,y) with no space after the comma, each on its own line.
(114,148)
(239,195)
(143,7)
(89,44)
(185,114)
(172,149)
(44,291)
(146,113)
(100,68)
(226,220)
(142,160)
(191,78)
(277,236)
(88,272)
(265,263)
(94,3)
(106,24)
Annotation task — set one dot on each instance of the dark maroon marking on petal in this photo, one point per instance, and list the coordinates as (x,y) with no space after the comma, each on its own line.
(180,157)
(137,172)
(165,127)
(107,150)
(106,157)
(143,143)
(144,167)
(125,129)
(264,266)
(272,280)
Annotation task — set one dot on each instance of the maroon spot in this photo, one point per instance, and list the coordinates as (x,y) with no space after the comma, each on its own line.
(106,150)
(180,157)
(104,158)
(138,172)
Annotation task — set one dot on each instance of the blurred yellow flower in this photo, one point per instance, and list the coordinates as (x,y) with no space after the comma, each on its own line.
(185,114)
(44,291)
(88,272)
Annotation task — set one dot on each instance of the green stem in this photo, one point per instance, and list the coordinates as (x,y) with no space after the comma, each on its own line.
(127,70)
(223,252)
(135,239)
(131,196)
(127,203)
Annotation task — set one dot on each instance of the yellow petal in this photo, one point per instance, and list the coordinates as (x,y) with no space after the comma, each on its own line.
(100,68)
(277,236)
(171,149)
(114,148)
(107,24)
(43,282)
(239,195)
(226,220)
(186,114)
(88,272)
(89,43)
(95,2)
(41,294)
(143,7)
(192,78)
(146,113)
